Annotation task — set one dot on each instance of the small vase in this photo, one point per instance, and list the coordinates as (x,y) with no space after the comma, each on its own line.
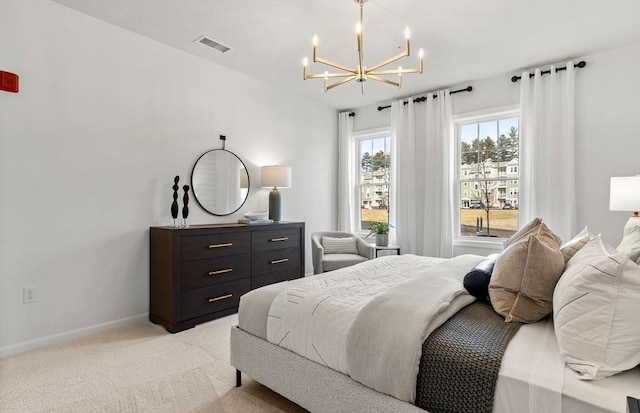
(382,240)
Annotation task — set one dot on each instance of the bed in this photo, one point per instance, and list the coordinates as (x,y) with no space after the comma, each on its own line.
(531,375)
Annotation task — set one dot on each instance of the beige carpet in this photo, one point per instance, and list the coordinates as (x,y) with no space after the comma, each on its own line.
(138,368)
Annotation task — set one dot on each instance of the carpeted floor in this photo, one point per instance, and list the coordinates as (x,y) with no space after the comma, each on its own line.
(138,368)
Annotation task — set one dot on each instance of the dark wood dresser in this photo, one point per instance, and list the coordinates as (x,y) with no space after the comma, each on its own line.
(199,273)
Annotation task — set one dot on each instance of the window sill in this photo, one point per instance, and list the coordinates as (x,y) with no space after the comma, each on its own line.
(490,245)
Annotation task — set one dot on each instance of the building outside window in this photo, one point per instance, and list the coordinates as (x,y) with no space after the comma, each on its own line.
(374,166)
(487,175)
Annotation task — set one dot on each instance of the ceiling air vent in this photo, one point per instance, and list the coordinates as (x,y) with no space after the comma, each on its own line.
(205,41)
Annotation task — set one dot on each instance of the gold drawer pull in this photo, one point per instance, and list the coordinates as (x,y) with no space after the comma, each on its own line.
(226,270)
(228,244)
(280,261)
(222,297)
(279,239)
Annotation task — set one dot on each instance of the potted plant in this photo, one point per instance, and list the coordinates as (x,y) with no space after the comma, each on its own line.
(381,229)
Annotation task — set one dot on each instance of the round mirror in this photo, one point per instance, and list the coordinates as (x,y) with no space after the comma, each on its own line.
(220,182)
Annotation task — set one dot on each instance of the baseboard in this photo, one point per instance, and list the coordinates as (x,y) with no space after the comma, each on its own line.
(60,338)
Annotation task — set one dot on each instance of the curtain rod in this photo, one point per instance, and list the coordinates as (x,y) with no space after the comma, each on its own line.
(580,64)
(423,98)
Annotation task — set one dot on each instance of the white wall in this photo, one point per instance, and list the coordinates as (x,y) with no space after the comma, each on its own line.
(88,149)
(607,129)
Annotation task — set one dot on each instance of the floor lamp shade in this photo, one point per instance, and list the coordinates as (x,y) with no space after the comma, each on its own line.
(275,177)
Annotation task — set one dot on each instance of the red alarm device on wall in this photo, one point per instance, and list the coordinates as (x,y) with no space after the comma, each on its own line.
(8,81)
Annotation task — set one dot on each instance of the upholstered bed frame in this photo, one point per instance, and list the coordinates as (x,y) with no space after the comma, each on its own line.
(307,383)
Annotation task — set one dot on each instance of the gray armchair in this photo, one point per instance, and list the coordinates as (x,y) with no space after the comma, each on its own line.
(328,262)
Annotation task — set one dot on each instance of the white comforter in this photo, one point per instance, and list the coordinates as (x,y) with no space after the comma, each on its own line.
(369,321)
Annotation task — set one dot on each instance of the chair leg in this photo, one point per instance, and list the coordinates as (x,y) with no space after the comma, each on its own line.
(238,378)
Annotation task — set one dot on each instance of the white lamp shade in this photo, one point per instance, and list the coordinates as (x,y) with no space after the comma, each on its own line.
(625,193)
(275,176)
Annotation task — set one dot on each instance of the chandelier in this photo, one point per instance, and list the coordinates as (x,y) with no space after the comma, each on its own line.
(362,73)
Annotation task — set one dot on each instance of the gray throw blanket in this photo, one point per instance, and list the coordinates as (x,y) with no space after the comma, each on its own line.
(461,360)
(397,321)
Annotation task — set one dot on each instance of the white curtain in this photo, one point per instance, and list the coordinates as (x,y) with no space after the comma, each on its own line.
(547,135)
(348,208)
(421,201)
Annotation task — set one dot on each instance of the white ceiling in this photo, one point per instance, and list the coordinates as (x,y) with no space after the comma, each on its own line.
(463,39)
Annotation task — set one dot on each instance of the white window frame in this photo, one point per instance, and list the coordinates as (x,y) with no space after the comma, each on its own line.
(483,115)
(359,136)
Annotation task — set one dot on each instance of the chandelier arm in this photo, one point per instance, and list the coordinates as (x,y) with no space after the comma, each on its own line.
(340,82)
(406,53)
(361,69)
(394,71)
(334,64)
(383,80)
(326,75)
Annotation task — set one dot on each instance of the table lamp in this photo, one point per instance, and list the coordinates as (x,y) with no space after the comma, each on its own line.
(275,177)
(625,196)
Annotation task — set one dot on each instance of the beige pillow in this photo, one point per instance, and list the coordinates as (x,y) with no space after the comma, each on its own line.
(523,232)
(596,305)
(524,276)
(346,245)
(574,245)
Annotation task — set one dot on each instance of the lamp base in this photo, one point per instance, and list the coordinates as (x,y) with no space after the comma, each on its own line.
(634,221)
(275,205)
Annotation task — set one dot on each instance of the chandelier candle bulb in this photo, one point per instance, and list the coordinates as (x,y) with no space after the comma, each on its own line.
(315,48)
(407,36)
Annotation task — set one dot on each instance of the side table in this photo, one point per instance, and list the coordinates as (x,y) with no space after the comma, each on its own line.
(378,248)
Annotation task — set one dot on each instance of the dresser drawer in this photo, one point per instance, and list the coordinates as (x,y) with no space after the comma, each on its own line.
(206,300)
(201,273)
(276,260)
(275,239)
(196,247)
(275,277)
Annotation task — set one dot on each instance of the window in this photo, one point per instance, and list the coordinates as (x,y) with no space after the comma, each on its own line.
(487,174)
(374,161)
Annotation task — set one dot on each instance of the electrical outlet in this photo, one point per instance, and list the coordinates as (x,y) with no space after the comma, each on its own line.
(28,295)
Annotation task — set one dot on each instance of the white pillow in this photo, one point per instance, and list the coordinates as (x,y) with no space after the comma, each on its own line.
(596,304)
(574,245)
(339,245)
(631,243)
